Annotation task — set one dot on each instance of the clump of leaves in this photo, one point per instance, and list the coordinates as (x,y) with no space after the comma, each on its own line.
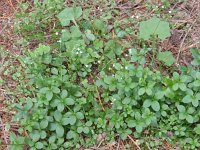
(85,88)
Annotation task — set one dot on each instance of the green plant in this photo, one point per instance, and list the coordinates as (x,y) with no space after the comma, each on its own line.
(85,86)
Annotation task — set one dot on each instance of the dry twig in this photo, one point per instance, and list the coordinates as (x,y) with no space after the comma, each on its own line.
(134,142)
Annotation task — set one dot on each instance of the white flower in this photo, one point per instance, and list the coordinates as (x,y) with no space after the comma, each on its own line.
(99,61)
(126,68)
(113,75)
(132,16)
(80,52)
(77,53)
(101,10)
(163,7)
(56,33)
(170,11)
(59,41)
(126,55)
(86,65)
(78,49)
(109,68)
(137,17)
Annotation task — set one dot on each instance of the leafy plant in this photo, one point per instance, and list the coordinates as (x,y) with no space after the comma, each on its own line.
(154,27)
(166,57)
(196,55)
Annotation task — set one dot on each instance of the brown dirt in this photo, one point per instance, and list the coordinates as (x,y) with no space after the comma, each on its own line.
(7,39)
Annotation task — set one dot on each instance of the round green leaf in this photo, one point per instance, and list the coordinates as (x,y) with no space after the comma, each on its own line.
(69,101)
(39,145)
(155,106)
(141,91)
(44,124)
(60,131)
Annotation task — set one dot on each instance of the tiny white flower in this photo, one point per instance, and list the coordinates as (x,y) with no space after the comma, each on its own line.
(132,16)
(137,17)
(109,68)
(126,68)
(80,52)
(113,65)
(56,33)
(97,7)
(170,11)
(77,53)
(113,75)
(101,10)
(156,6)
(126,55)
(78,49)
(163,7)
(86,65)
(99,61)
(59,41)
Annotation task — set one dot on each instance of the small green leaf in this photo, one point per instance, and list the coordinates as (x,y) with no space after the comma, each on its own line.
(54,71)
(86,130)
(69,101)
(89,35)
(99,25)
(75,32)
(79,115)
(60,107)
(187,99)
(189,119)
(141,91)
(80,129)
(55,90)
(64,94)
(197,129)
(72,119)
(147,103)
(39,145)
(35,135)
(131,123)
(155,106)
(166,57)
(49,95)
(60,131)
(57,116)
(126,101)
(44,124)
(71,134)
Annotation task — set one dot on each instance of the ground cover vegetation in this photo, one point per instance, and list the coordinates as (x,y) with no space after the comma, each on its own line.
(88,78)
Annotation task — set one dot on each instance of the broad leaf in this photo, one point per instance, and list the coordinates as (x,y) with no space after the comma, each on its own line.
(166,57)
(155,27)
(69,14)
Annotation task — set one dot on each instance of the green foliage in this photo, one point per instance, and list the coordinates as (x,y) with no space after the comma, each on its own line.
(196,55)
(154,27)
(86,85)
(69,14)
(166,57)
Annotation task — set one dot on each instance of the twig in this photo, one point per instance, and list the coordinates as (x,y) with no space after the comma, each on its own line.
(4,134)
(181,45)
(100,143)
(134,142)
(100,99)
(11,4)
(191,46)
(118,143)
